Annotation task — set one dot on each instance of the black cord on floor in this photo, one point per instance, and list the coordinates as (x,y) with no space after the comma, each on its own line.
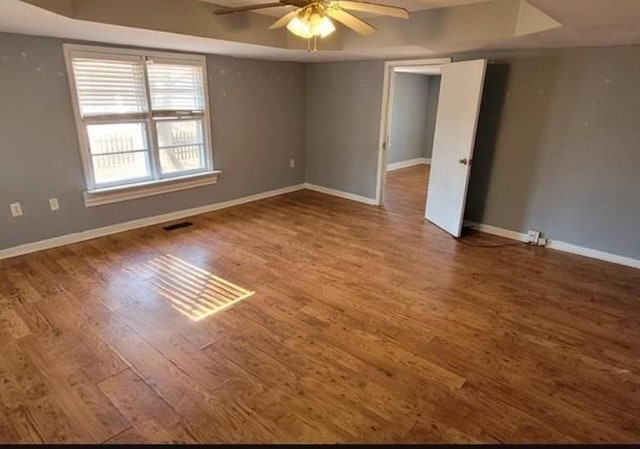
(504,245)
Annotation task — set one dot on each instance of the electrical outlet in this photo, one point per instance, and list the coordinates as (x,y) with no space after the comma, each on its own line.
(53,204)
(16,209)
(533,236)
(292,163)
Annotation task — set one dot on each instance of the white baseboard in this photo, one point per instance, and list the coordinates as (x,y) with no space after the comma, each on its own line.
(593,253)
(409,163)
(341,194)
(141,223)
(493,230)
(157,219)
(558,245)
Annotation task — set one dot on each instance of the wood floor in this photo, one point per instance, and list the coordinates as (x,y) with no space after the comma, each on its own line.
(367,325)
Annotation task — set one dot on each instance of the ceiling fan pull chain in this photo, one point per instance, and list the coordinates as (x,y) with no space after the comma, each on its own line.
(312,47)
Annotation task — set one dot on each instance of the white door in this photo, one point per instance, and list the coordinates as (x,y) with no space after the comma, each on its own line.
(458,109)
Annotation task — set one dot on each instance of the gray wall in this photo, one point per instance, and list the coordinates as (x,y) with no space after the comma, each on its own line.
(408,137)
(257,125)
(432,114)
(558,147)
(343,105)
(408,117)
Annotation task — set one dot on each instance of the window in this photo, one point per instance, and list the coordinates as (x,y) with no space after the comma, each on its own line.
(142,120)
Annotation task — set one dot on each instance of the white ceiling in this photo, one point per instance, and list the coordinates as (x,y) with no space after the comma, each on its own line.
(22,18)
(442,31)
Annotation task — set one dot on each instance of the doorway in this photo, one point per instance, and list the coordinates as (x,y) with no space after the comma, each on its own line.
(411,132)
(458,107)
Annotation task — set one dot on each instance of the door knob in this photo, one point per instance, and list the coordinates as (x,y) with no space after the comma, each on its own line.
(463,161)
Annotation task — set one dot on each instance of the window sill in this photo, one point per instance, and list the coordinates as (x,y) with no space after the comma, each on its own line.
(100,197)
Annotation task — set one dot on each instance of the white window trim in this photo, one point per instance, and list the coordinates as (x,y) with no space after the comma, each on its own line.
(99,197)
(95,196)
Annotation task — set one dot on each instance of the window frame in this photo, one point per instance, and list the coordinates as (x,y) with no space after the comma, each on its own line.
(157,182)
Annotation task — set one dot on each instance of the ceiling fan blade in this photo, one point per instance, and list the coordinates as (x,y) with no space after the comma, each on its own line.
(374,8)
(299,3)
(357,25)
(284,20)
(223,11)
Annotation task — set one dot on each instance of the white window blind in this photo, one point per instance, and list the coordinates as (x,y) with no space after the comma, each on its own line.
(176,87)
(107,86)
(143,117)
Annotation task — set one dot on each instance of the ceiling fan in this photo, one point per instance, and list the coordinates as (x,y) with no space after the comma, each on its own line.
(312,18)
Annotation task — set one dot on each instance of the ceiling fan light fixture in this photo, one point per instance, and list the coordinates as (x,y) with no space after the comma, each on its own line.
(300,27)
(324,28)
(311,23)
(313,18)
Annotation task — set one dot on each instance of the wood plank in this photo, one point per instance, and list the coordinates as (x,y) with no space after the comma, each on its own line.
(81,402)
(12,324)
(34,410)
(128,436)
(148,413)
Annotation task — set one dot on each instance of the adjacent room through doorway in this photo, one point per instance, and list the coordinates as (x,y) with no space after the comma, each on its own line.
(411,132)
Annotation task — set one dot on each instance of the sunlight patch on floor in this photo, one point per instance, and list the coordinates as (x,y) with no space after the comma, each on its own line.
(192,291)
